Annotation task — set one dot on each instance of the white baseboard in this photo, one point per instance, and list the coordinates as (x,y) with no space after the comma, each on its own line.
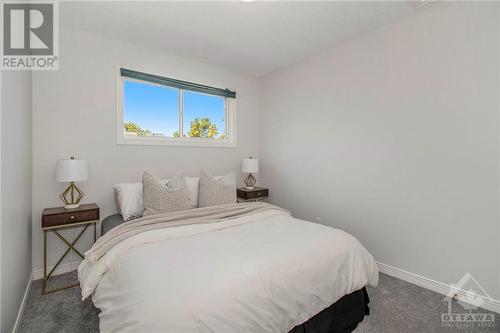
(61,269)
(436,286)
(23,305)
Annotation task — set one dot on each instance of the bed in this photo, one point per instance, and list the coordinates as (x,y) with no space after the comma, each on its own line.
(248,267)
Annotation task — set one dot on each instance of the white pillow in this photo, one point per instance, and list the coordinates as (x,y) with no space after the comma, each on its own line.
(192,187)
(228,179)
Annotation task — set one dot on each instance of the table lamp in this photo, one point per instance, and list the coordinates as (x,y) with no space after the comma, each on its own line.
(250,165)
(72,170)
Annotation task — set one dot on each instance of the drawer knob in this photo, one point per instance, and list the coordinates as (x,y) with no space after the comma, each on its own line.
(259,193)
(71,217)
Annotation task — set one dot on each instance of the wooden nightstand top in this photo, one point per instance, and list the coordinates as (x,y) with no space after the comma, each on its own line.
(255,193)
(256,188)
(60,216)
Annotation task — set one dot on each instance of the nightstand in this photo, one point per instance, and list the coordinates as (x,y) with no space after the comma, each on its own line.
(255,194)
(55,219)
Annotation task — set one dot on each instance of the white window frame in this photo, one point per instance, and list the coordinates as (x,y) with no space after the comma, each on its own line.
(123,139)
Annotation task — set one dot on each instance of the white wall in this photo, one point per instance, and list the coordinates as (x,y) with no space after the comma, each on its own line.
(74,114)
(394,137)
(16,176)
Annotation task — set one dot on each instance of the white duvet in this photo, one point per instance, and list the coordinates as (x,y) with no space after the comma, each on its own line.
(267,272)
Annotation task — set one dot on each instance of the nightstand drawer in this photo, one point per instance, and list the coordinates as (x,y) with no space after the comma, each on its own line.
(62,219)
(258,194)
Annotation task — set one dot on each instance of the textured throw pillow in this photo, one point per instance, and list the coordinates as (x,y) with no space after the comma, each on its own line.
(216,191)
(160,198)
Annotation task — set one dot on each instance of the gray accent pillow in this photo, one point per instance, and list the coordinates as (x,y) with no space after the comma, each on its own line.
(213,191)
(161,198)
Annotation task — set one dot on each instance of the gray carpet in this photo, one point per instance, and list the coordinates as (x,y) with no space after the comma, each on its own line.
(396,306)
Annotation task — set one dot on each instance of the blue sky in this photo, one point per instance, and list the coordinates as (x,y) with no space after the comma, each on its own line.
(156,108)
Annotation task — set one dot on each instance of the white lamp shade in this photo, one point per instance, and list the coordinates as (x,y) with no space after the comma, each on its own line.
(250,165)
(71,170)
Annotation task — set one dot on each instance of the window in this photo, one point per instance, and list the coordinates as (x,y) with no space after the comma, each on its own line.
(154,110)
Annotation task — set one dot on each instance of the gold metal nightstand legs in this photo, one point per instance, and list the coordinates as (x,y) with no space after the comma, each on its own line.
(71,246)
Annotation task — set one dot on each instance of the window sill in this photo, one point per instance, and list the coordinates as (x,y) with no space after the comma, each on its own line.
(162,141)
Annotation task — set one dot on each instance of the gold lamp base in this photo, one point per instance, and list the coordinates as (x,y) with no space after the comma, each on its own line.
(250,182)
(72,196)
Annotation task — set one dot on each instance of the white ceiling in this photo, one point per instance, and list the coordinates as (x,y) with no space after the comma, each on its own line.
(252,38)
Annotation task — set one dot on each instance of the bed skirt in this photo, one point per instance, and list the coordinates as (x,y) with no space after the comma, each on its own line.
(342,316)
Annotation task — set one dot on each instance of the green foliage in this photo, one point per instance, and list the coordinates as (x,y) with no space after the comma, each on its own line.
(199,128)
(202,128)
(131,127)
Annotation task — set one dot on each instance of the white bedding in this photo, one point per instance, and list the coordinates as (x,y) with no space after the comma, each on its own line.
(267,272)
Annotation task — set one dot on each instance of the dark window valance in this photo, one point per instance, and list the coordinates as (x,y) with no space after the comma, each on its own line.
(177,83)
